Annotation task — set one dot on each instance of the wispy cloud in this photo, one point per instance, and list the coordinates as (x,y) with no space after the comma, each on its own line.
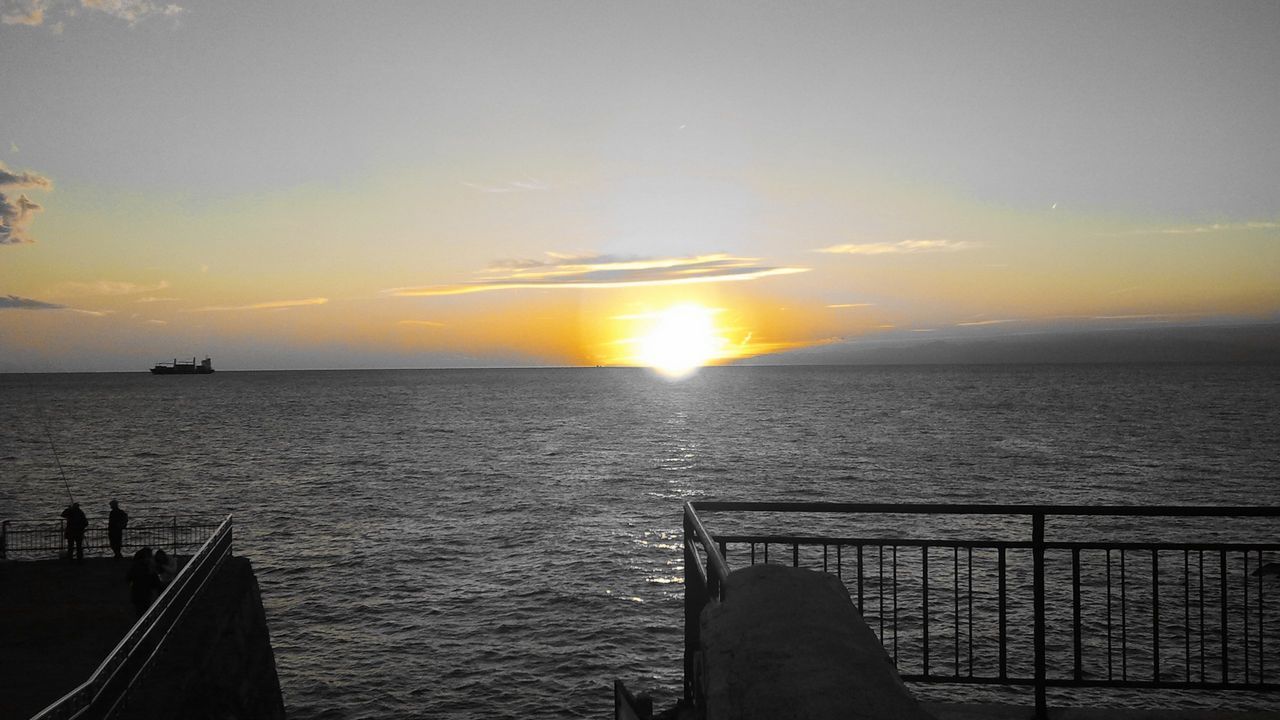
(273,305)
(34,13)
(898,248)
(1206,229)
(851,305)
(512,186)
(421,323)
(978,323)
(1153,316)
(16,214)
(1219,227)
(108,287)
(568,272)
(13,302)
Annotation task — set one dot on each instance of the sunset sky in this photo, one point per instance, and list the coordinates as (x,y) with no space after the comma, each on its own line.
(426,184)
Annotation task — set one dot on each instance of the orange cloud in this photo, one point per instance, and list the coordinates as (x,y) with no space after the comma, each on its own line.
(273,305)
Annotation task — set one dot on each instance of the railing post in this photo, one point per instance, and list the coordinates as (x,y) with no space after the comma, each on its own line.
(694,600)
(1037,554)
(4,538)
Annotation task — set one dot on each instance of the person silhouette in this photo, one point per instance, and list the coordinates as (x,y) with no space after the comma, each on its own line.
(143,582)
(76,525)
(116,523)
(165,568)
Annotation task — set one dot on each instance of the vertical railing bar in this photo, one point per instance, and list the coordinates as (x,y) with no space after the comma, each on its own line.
(1002,603)
(880,589)
(1186,610)
(795,555)
(1155,614)
(1200,588)
(895,603)
(840,569)
(1124,620)
(1037,558)
(1076,643)
(860,599)
(924,606)
(1261,645)
(1222,588)
(753,552)
(970,574)
(955,597)
(824,557)
(1244,607)
(1110,634)
(766,553)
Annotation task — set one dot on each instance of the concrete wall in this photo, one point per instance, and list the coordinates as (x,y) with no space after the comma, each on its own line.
(218,662)
(789,643)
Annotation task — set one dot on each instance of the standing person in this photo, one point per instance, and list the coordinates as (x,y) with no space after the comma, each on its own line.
(115,528)
(76,525)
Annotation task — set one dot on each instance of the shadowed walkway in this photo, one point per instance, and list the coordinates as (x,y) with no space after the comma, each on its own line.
(58,621)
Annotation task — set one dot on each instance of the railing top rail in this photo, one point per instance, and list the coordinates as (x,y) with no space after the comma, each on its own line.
(989,509)
(718,565)
(85,693)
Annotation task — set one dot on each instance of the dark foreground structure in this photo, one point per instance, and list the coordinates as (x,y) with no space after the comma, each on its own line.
(1061,601)
(73,646)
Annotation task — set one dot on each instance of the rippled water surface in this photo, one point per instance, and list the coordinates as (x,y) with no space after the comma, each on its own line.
(505,543)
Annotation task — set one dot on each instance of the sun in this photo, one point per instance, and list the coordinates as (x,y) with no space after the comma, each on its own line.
(680,339)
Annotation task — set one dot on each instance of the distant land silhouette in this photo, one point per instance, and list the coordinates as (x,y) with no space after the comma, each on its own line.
(1258,343)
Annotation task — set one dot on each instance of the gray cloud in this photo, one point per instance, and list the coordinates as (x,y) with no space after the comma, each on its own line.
(22,12)
(16,214)
(34,13)
(132,11)
(24,179)
(13,302)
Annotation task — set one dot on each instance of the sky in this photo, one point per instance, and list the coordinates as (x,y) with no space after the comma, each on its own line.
(403,184)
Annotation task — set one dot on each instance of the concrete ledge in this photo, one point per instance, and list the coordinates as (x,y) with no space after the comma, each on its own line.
(789,643)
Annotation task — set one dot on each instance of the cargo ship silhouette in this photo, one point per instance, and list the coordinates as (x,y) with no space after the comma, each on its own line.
(183,368)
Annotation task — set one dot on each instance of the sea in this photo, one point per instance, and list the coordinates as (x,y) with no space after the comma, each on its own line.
(504,543)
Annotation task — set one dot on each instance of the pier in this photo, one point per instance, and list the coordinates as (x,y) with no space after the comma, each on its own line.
(74,647)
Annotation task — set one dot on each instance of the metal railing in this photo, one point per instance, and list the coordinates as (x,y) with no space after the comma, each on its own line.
(31,539)
(1029,611)
(107,689)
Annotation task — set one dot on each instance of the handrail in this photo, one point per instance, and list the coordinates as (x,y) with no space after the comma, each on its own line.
(99,696)
(715,560)
(1150,596)
(992,509)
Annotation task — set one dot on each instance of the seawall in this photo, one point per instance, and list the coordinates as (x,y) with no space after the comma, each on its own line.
(218,661)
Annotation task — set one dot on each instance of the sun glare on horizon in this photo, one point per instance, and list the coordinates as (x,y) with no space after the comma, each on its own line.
(681,339)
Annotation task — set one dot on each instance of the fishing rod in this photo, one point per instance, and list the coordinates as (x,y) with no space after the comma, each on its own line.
(58,460)
(44,417)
